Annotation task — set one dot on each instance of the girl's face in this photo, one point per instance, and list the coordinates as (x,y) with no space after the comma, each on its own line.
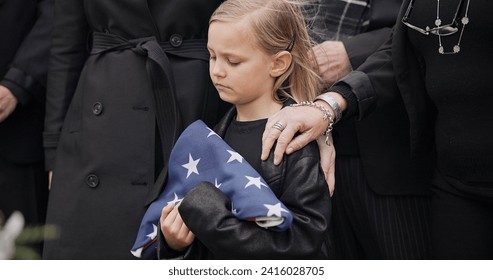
(239,69)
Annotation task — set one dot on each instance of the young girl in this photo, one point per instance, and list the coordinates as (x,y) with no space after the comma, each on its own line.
(260,62)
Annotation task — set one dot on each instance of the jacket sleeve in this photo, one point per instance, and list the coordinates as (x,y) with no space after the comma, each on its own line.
(206,211)
(375,74)
(361,46)
(359,87)
(26,78)
(68,54)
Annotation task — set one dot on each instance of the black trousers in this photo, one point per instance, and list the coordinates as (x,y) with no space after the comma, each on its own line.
(24,188)
(461,223)
(372,226)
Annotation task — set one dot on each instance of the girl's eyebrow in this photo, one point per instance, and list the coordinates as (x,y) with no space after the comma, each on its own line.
(225,53)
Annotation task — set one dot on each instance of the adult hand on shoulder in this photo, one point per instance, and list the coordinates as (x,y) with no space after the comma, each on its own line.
(333,61)
(8,102)
(177,235)
(304,119)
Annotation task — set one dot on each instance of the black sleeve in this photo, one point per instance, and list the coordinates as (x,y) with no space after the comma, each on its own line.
(68,54)
(26,78)
(361,46)
(206,211)
(359,87)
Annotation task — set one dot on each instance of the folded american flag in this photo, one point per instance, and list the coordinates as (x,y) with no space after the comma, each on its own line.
(201,155)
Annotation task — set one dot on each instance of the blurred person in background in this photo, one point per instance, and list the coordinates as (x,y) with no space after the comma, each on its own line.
(25,29)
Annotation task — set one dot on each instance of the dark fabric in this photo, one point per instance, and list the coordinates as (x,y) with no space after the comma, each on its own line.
(336,19)
(160,75)
(299,184)
(400,61)
(100,129)
(463,131)
(462,223)
(25,27)
(24,188)
(361,46)
(380,137)
(372,226)
(382,83)
(397,153)
(246,139)
(414,78)
(381,202)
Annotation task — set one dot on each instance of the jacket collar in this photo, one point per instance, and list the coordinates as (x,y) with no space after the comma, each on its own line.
(223,124)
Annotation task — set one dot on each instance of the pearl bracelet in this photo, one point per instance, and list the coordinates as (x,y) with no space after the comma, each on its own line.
(326,116)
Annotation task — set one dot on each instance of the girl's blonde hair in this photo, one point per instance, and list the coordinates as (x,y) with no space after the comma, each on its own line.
(279,25)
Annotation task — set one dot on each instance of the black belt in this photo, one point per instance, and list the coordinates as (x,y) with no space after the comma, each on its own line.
(164,91)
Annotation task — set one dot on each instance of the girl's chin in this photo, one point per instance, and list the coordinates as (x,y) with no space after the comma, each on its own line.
(227,98)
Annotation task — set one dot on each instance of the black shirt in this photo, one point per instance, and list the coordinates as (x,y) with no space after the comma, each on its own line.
(246,139)
(460,86)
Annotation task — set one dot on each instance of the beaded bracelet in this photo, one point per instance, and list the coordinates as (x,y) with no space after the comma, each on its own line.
(326,116)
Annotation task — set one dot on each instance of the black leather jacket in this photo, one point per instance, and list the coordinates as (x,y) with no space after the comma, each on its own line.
(298,182)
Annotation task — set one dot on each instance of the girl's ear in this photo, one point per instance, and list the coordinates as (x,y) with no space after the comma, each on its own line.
(280,63)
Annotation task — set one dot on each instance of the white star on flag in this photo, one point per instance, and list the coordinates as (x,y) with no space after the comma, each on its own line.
(191,166)
(254,181)
(212,133)
(235,156)
(275,210)
(153,234)
(218,185)
(176,200)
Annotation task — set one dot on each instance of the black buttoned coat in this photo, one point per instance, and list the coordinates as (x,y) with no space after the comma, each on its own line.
(119,70)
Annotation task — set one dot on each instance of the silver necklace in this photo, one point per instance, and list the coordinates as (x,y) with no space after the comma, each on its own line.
(438,22)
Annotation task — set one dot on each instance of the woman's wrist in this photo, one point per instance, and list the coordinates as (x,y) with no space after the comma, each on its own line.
(334,102)
(327,115)
(333,105)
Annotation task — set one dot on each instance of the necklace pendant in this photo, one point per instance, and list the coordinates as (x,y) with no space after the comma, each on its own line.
(438,22)
(440,49)
(465,20)
(456,48)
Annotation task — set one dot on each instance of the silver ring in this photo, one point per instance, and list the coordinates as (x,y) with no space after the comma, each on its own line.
(278,125)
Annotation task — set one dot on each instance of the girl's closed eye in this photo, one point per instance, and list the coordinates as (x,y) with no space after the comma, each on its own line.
(233,62)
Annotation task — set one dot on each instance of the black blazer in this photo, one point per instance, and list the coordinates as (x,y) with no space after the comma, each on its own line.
(25,29)
(394,118)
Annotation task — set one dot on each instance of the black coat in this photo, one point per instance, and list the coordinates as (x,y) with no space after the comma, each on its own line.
(100,132)
(25,32)
(25,29)
(299,184)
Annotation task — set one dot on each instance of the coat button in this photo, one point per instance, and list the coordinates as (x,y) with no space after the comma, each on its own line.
(176,40)
(92,181)
(97,108)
